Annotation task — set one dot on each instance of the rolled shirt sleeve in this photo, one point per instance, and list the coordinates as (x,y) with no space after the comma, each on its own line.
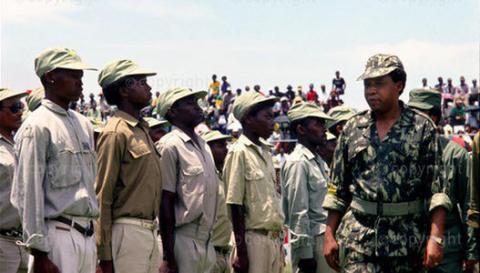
(28,185)
(435,172)
(234,177)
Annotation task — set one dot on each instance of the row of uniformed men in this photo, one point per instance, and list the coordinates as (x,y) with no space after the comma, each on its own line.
(56,166)
(56,184)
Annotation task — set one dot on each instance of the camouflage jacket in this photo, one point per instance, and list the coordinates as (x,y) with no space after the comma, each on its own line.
(404,166)
(474,183)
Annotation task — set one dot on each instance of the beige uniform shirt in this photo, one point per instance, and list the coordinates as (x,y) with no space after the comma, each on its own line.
(250,179)
(129,182)
(222,230)
(189,171)
(9,218)
(55,170)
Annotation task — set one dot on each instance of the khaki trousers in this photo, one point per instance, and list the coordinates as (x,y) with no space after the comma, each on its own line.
(13,258)
(264,253)
(134,248)
(71,251)
(322,266)
(193,249)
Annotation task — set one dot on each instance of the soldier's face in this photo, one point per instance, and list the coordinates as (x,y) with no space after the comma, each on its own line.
(262,123)
(139,91)
(67,83)
(11,113)
(188,112)
(315,131)
(382,93)
(219,151)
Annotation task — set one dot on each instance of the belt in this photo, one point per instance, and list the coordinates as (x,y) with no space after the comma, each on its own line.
(85,231)
(388,209)
(147,224)
(224,250)
(15,233)
(272,234)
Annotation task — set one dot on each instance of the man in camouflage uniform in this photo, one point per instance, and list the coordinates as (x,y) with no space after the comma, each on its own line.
(474,204)
(460,241)
(386,170)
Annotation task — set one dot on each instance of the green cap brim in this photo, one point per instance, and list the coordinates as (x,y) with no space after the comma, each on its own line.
(77,66)
(420,105)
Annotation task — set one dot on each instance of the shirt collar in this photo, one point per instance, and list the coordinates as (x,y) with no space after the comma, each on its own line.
(406,117)
(129,119)
(54,107)
(183,136)
(305,151)
(2,138)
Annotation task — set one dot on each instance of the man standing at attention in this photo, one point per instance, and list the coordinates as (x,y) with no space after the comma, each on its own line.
(387,169)
(53,184)
(251,196)
(128,184)
(304,179)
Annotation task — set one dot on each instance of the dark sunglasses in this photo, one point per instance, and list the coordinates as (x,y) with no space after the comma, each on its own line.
(15,108)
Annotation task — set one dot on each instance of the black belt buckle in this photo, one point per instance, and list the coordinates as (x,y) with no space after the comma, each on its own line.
(379,208)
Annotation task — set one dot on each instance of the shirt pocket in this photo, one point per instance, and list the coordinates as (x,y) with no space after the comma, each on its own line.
(67,170)
(191,177)
(255,178)
(139,150)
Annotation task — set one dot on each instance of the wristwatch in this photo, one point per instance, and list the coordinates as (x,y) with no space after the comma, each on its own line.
(437,240)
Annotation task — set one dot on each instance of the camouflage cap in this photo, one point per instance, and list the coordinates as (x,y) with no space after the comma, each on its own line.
(425,99)
(169,97)
(214,135)
(380,65)
(6,93)
(244,103)
(153,122)
(339,114)
(54,58)
(34,99)
(306,110)
(116,70)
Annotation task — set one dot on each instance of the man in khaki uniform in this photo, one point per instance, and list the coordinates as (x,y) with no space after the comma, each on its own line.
(222,230)
(250,177)
(190,187)
(157,128)
(128,184)
(13,258)
(53,184)
(340,115)
(304,179)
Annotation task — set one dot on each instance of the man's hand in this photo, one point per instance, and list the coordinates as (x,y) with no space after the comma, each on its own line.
(330,252)
(106,266)
(307,265)
(168,267)
(240,263)
(469,265)
(433,254)
(42,264)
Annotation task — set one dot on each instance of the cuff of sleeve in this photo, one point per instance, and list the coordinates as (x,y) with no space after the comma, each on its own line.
(332,202)
(440,200)
(473,218)
(39,242)
(104,253)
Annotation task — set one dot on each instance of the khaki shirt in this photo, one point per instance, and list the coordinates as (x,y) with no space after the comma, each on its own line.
(222,230)
(129,182)
(189,171)
(304,186)
(250,179)
(9,218)
(55,170)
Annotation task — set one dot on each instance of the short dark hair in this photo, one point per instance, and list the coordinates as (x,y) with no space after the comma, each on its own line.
(294,125)
(398,75)
(435,112)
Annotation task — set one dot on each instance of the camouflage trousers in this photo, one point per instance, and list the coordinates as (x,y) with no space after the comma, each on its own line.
(353,262)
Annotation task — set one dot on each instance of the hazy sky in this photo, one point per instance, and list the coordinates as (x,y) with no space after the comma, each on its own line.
(269,42)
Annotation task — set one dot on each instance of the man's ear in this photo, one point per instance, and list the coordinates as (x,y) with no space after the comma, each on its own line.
(399,86)
(300,129)
(123,92)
